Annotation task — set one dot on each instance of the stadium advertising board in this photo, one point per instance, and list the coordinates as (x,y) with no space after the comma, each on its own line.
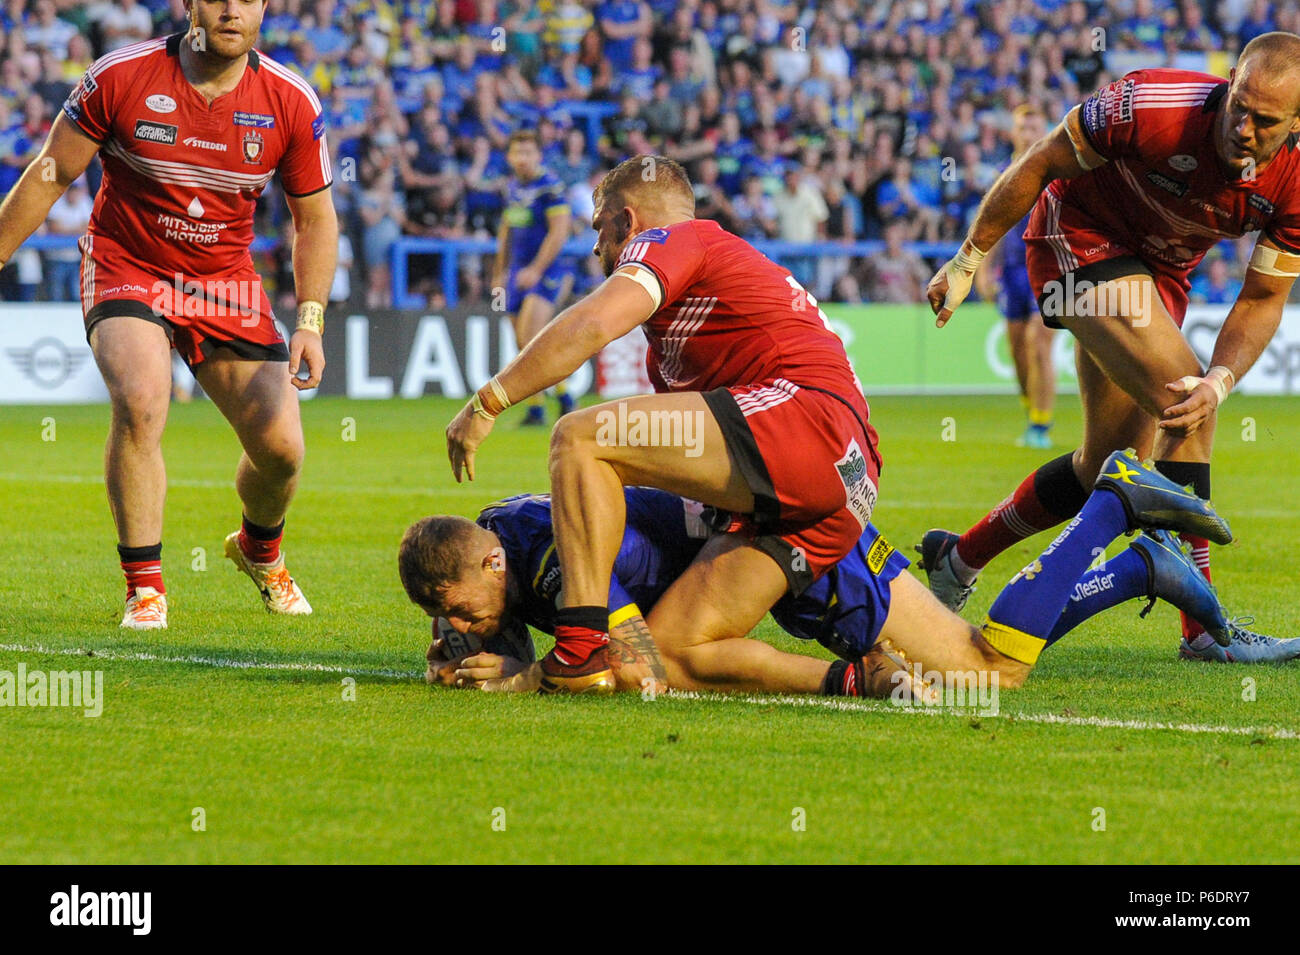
(897,350)
(44,358)
(388,353)
(409,354)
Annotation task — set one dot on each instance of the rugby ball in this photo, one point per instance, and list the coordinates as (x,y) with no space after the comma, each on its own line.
(455,645)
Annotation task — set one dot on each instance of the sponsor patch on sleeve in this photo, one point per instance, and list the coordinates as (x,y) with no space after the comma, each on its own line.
(1256,201)
(658,236)
(84,87)
(1122,110)
(1093,114)
(877,554)
(318,127)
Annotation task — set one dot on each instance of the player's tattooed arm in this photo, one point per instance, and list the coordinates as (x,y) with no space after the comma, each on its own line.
(633,655)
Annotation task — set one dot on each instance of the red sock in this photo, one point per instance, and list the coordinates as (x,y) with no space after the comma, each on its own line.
(580,632)
(261,544)
(1201,557)
(142,567)
(1019,516)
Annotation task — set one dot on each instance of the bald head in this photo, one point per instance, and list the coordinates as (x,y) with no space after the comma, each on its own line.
(1262,109)
(1275,56)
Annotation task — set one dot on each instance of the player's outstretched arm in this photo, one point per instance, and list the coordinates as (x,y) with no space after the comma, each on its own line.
(1246,332)
(315,256)
(615,308)
(1062,154)
(66,154)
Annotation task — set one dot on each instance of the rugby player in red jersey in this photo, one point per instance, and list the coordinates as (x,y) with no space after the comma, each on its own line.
(1127,196)
(758,412)
(190,129)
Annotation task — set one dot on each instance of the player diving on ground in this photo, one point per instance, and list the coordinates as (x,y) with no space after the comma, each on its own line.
(486,582)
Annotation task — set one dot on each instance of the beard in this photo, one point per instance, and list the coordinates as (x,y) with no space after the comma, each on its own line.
(219,46)
(609,253)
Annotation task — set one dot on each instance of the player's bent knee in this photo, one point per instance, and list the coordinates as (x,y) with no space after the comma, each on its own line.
(140,410)
(573,434)
(1011,673)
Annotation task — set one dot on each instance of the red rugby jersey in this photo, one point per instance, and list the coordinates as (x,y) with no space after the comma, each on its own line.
(1164,194)
(182,176)
(731,316)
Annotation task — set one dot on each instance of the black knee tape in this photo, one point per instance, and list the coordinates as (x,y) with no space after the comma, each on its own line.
(1058,487)
(137,555)
(260,533)
(592,618)
(1193,474)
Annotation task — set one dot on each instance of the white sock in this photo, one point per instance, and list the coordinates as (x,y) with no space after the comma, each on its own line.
(965,573)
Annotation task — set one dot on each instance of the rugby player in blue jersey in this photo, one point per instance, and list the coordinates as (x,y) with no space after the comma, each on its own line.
(1030,341)
(486,582)
(530,266)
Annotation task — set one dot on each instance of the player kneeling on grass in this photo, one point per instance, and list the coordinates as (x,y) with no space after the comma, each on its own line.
(485,583)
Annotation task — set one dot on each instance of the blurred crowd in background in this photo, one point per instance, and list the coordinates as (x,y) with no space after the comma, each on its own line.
(834,121)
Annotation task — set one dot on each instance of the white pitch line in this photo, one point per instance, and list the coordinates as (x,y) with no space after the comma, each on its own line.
(1099,722)
(817,702)
(196,660)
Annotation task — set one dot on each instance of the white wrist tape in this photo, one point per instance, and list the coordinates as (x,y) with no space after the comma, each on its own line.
(968,261)
(643,278)
(1267,261)
(499,392)
(1220,378)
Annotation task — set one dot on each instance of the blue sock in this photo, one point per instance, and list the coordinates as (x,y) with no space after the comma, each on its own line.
(1123,578)
(1028,608)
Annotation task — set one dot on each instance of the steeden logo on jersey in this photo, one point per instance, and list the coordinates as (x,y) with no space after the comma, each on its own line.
(205,144)
(155,132)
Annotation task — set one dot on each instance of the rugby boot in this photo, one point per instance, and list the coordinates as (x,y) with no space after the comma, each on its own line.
(146,609)
(1152,501)
(936,549)
(279,592)
(591,675)
(1172,576)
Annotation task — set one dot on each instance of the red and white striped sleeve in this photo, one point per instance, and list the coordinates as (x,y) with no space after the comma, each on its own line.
(305,166)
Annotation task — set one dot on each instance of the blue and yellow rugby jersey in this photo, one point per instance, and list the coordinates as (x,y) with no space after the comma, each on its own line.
(529,207)
(844,610)
(662,537)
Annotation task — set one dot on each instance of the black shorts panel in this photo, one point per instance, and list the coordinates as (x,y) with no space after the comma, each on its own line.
(1096,273)
(744,451)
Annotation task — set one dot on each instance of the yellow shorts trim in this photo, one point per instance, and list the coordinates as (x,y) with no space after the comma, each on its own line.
(1013,643)
(623,614)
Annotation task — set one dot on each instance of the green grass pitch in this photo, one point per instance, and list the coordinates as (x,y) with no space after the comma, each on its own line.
(285,769)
